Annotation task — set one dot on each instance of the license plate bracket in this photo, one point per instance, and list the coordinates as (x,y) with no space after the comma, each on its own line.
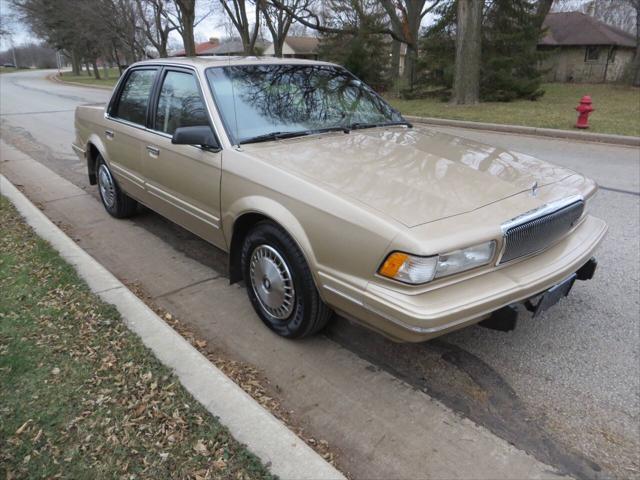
(552,296)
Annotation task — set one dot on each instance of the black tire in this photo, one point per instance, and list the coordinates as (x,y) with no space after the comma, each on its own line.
(117,203)
(308,313)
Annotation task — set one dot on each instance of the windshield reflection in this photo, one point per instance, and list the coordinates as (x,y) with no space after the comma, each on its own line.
(266,102)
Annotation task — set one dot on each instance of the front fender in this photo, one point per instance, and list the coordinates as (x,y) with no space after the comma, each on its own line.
(273,210)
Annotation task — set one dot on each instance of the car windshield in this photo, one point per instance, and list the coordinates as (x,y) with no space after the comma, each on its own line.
(266,102)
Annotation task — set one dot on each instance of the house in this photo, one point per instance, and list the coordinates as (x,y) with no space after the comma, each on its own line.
(297,47)
(581,48)
(231,47)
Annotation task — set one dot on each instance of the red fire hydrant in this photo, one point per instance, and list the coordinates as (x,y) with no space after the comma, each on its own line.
(584,109)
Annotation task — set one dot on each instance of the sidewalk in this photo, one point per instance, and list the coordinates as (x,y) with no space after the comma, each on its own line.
(380,426)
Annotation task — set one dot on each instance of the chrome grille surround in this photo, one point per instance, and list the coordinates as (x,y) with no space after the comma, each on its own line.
(539,229)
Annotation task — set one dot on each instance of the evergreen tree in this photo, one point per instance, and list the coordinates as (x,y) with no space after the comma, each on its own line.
(366,56)
(509,63)
(510,60)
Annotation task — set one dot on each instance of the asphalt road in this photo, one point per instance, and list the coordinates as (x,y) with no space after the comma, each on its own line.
(565,386)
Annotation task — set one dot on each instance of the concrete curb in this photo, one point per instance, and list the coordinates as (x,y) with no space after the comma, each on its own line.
(541,132)
(278,447)
(54,77)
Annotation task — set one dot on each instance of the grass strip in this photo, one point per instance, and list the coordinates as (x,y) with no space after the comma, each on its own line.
(81,397)
(617,109)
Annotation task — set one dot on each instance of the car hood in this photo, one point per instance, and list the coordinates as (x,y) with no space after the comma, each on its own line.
(413,175)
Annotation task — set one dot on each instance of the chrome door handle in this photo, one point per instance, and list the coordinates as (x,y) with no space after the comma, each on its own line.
(109,134)
(153,150)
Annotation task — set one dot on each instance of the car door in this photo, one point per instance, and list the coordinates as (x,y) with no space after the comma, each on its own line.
(183,181)
(125,127)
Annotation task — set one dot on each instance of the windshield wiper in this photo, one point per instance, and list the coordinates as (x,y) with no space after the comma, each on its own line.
(332,129)
(359,125)
(267,137)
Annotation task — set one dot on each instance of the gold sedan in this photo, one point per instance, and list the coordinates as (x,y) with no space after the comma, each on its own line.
(327,199)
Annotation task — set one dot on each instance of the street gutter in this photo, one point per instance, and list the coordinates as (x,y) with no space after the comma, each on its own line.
(286,455)
(535,131)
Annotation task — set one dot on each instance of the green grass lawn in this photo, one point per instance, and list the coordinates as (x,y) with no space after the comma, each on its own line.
(114,74)
(617,109)
(80,395)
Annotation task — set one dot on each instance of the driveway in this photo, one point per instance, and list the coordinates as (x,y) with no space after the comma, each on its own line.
(564,387)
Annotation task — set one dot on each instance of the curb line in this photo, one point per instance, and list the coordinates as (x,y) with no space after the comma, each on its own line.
(540,132)
(281,451)
(54,77)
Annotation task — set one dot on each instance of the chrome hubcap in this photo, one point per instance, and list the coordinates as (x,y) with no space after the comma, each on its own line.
(271,282)
(107,187)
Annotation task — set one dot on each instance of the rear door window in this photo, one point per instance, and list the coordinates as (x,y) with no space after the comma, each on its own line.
(179,103)
(134,96)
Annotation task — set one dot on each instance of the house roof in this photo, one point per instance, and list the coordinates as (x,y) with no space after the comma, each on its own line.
(202,48)
(577,28)
(214,47)
(303,45)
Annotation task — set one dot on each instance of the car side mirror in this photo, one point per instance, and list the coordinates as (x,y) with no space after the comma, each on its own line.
(199,135)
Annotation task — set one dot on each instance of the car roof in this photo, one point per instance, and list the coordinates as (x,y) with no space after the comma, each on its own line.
(224,60)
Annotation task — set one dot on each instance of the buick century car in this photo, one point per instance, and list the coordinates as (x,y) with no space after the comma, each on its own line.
(328,200)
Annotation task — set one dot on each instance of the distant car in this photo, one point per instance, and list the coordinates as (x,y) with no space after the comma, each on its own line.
(9,65)
(327,199)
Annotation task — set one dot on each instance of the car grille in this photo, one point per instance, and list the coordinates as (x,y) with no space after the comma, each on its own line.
(539,233)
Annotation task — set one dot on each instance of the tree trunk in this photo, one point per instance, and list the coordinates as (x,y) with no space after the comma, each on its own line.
(75,63)
(105,69)
(277,47)
(188,18)
(408,74)
(162,47)
(87,68)
(466,82)
(636,57)
(188,39)
(412,34)
(96,70)
(395,59)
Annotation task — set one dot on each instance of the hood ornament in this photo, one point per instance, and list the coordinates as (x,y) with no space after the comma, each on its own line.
(534,189)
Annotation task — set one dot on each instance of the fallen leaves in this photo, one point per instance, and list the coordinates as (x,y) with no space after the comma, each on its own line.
(23,427)
(248,377)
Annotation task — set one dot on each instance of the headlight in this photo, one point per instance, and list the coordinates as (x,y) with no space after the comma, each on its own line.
(415,270)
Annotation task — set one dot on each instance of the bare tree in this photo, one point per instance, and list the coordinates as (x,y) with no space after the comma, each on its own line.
(237,12)
(466,82)
(154,24)
(404,20)
(184,21)
(279,21)
(406,17)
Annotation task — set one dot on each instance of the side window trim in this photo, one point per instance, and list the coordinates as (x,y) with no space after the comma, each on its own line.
(115,99)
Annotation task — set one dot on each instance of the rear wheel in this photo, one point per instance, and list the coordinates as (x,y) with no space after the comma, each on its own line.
(117,203)
(279,283)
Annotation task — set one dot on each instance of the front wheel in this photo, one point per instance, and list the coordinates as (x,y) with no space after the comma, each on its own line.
(279,283)
(117,203)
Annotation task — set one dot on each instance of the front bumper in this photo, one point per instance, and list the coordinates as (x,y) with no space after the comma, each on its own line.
(415,318)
